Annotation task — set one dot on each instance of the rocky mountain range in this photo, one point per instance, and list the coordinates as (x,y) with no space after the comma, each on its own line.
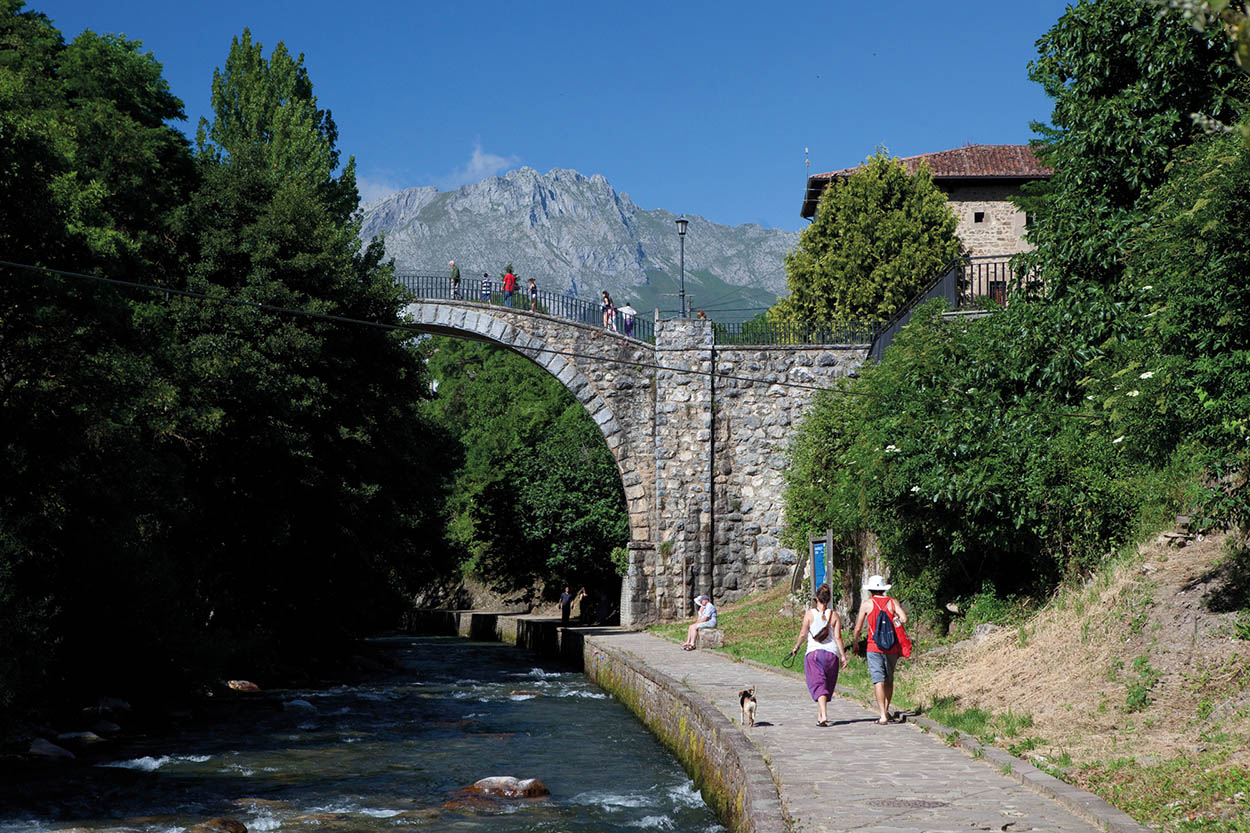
(578,235)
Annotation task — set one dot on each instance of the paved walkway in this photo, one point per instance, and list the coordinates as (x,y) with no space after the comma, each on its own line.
(856,775)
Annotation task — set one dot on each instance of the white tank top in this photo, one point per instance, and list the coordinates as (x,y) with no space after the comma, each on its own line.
(818,624)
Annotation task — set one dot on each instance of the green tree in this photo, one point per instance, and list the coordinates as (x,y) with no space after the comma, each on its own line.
(305,433)
(89,175)
(878,236)
(969,472)
(1125,78)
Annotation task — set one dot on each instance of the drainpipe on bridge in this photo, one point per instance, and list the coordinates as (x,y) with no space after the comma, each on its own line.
(711,475)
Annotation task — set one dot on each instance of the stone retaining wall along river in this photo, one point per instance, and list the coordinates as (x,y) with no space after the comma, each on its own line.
(727,768)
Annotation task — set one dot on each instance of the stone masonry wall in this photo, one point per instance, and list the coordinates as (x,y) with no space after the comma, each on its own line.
(755,422)
(719,467)
(1001,230)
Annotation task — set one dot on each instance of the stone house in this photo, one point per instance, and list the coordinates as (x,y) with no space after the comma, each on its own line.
(977,180)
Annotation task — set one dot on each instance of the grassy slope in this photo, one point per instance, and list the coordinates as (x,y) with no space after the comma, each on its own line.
(1134,686)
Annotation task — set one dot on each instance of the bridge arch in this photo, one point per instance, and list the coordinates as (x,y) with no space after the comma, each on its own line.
(609,375)
(698,432)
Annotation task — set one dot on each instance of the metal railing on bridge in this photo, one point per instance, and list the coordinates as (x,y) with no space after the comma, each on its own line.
(767,333)
(965,283)
(568,307)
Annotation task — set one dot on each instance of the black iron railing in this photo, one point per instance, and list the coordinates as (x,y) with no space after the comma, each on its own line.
(568,307)
(766,333)
(993,279)
(965,283)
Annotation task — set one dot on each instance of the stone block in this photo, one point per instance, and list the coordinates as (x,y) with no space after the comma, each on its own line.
(710,638)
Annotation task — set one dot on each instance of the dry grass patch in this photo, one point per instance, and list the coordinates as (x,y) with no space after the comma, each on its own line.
(1133,686)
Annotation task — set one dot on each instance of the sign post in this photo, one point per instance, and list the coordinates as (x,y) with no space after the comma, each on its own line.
(819,548)
(818,564)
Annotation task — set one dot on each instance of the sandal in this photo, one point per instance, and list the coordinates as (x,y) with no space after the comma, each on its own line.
(822,723)
(881,722)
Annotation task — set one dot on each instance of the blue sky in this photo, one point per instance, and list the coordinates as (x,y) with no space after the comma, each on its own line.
(697,107)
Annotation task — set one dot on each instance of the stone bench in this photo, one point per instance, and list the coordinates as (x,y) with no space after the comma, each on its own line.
(709,638)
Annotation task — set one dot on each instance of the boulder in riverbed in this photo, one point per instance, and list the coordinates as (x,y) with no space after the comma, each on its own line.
(219,825)
(41,748)
(505,786)
(108,705)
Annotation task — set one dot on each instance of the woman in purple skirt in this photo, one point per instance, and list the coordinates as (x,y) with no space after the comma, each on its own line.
(823,631)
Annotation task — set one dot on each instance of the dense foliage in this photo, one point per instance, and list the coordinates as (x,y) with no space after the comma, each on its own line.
(192,486)
(1003,454)
(538,498)
(1125,78)
(878,236)
(1180,381)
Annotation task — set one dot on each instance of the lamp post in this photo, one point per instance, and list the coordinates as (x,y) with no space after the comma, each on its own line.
(682,222)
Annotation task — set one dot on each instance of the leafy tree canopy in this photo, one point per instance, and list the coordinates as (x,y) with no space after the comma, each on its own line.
(878,236)
(1125,78)
(1179,381)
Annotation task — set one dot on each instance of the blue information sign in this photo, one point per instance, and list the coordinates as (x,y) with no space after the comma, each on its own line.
(818,564)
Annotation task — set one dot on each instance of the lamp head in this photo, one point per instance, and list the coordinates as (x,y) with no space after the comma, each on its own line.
(682,222)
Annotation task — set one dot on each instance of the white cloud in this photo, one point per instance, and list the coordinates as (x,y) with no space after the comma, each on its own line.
(480,165)
(375,189)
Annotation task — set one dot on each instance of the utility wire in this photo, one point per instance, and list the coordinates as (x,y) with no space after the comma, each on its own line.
(412,328)
(416,330)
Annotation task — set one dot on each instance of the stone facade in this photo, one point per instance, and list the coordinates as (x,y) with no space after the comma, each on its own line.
(699,433)
(989,225)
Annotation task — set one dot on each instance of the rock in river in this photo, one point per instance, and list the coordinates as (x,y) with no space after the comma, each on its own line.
(219,825)
(46,749)
(505,786)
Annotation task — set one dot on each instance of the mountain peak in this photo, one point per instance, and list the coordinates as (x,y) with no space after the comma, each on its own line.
(575,234)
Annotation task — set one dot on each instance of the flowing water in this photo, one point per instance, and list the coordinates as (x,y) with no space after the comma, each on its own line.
(389,755)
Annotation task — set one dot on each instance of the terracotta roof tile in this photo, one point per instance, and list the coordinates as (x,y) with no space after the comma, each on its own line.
(968,162)
(971,160)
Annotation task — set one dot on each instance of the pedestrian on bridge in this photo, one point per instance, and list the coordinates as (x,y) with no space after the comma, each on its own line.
(609,312)
(533,296)
(455,280)
(509,287)
(485,288)
(628,313)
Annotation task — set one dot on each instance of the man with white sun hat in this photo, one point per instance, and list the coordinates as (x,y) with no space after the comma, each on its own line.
(881,657)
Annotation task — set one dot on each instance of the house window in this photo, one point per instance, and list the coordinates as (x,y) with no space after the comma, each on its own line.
(978,216)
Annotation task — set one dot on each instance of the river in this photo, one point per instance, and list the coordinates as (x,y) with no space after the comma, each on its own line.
(391,754)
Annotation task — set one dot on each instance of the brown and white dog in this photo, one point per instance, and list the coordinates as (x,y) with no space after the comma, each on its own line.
(746,698)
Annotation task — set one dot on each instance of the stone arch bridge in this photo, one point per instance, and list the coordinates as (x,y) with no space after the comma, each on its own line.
(699,432)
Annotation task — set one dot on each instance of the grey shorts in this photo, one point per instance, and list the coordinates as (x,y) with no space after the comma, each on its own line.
(881,666)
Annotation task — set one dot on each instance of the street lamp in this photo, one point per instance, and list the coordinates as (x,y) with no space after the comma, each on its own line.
(682,222)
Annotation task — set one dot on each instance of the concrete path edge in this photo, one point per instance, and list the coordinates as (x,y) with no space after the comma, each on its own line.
(732,774)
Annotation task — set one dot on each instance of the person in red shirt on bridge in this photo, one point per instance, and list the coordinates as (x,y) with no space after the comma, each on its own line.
(509,287)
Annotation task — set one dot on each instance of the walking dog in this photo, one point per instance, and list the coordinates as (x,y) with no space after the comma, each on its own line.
(746,699)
